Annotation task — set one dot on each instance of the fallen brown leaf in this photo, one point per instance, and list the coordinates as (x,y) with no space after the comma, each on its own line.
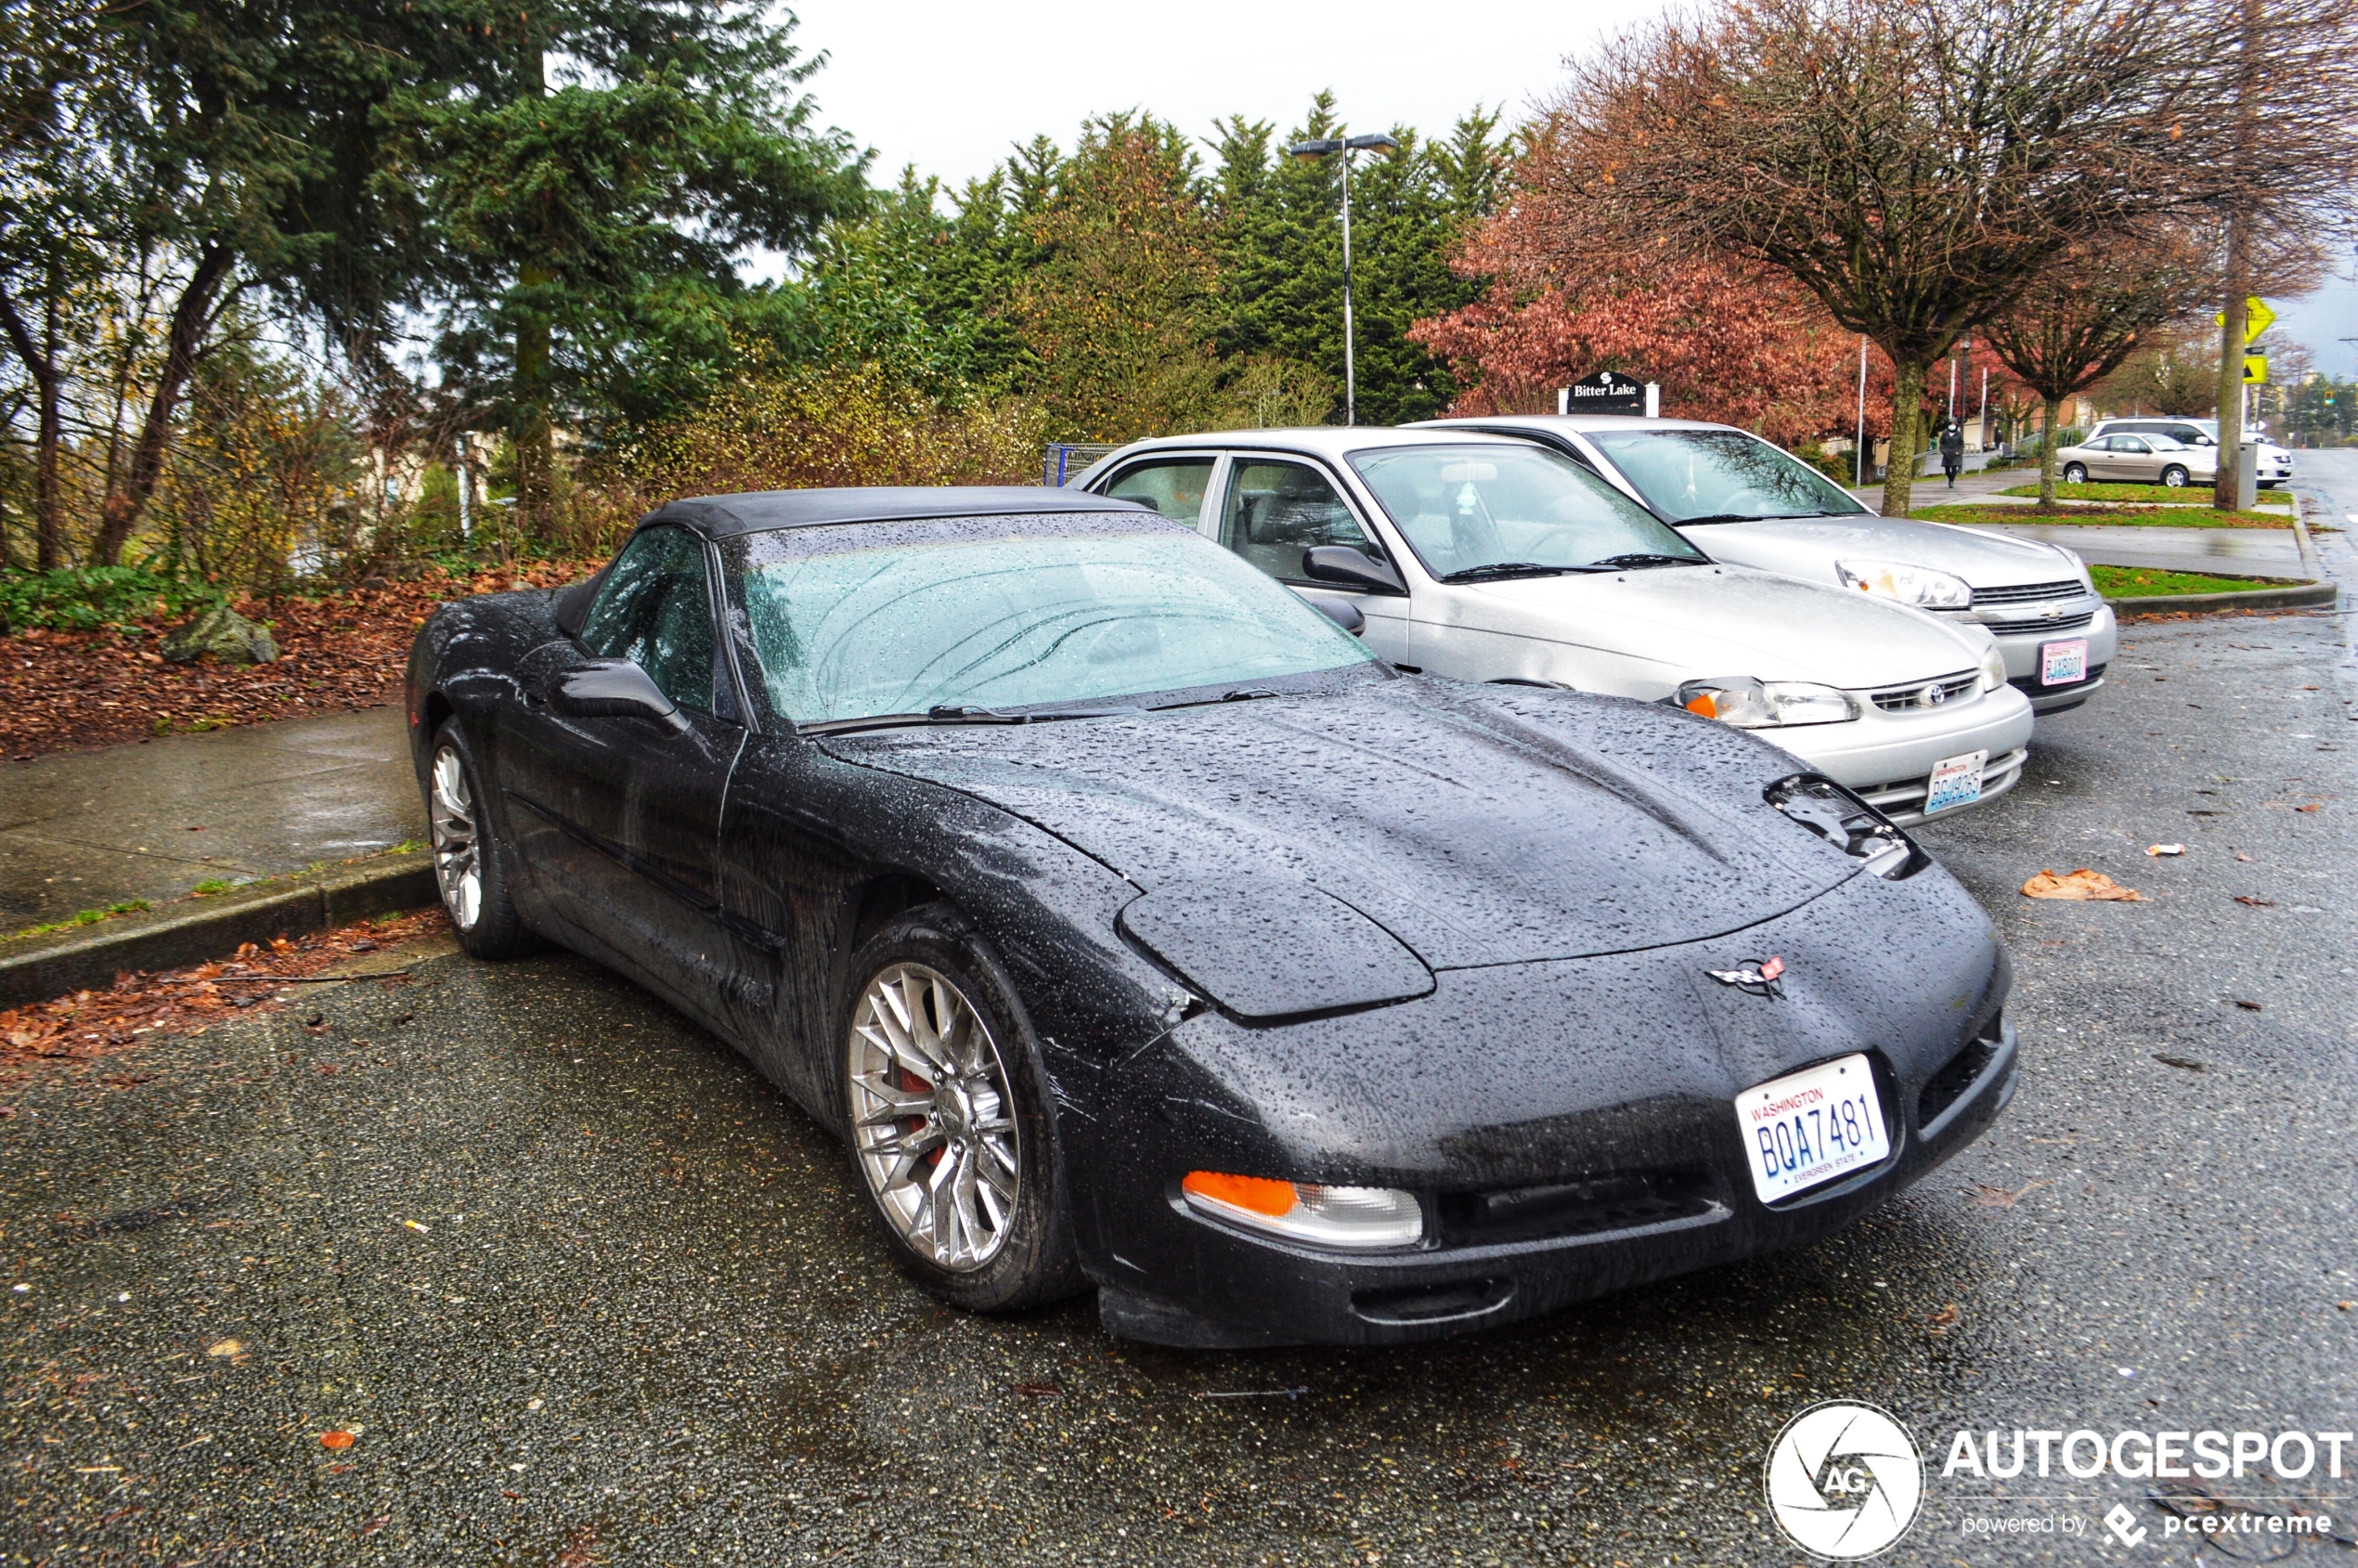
(1999,1198)
(2256,903)
(338,1439)
(2081,884)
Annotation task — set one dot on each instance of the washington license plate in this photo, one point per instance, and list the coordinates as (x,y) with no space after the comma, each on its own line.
(2062,663)
(1956,781)
(1809,1127)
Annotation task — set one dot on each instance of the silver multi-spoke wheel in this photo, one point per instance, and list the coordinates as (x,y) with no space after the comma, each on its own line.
(457,837)
(932,1118)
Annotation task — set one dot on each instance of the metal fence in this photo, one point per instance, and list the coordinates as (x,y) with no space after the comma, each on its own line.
(1069,459)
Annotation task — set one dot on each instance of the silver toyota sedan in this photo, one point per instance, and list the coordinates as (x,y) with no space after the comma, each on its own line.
(1746,500)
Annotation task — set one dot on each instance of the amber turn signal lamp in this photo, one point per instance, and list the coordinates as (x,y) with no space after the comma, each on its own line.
(1256,1194)
(1701,702)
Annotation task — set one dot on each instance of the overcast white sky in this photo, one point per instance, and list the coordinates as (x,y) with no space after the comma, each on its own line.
(950,88)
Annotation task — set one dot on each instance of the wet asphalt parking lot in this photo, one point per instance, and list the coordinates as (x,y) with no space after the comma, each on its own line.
(586,1290)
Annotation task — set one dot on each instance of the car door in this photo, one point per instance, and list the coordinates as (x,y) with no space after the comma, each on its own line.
(628,853)
(1274,509)
(2133,460)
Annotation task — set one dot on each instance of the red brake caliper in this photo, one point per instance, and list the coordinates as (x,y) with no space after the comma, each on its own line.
(910,1083)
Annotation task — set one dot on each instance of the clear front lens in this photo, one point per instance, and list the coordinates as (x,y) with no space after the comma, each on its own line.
(1920,586)
(1323,1216)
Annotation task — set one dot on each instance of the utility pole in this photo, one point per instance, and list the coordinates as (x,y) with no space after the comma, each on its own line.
(1310,152)
(2232,320)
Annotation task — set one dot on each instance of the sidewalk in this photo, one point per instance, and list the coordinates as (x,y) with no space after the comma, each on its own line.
(84,830)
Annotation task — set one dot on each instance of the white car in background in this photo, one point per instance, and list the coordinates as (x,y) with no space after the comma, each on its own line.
(1488,558)
(1747,500)
(2276,463)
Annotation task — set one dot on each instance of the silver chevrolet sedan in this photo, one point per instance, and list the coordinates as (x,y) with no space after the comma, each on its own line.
(1746,500)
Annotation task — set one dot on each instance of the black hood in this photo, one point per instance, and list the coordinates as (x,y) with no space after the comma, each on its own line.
(1475,824)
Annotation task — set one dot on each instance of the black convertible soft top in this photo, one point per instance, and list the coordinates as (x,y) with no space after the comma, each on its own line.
(724,516)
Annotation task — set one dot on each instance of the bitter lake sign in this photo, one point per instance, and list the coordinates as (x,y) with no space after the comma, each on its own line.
(1607,391)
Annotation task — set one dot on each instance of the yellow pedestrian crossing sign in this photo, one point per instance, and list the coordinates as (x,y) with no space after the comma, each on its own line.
(2255,370)
(2257,316)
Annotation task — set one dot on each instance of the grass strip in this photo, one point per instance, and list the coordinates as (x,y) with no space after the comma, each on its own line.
(2105,490)
(1985,514)
(2139,582)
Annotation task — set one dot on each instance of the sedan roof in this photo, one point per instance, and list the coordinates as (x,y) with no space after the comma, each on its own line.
(1324,440)
(1600,422)
(759,510)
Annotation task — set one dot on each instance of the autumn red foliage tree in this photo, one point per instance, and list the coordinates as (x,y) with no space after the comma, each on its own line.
(1724,341)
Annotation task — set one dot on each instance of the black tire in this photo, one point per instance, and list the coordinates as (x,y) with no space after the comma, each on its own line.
(486,917)
(1028,1258)
(2174,476)
(2075,474)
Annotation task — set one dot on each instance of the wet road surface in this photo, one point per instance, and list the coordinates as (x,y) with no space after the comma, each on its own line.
(586,1290)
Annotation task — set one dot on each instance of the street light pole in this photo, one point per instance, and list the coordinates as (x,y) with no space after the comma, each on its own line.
(1310,152)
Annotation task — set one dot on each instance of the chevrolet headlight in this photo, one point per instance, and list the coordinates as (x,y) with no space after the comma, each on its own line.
(1765,704)
(1920,586)
(1994,670)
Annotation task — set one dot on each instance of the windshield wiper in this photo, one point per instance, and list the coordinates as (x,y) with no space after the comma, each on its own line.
(1497,569)
(1719,517)
(1647,557)
(952,714)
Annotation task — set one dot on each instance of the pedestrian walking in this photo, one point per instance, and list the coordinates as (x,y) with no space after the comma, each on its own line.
(1952,450)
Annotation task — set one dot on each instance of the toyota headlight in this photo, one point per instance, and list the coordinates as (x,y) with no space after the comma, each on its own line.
(1994,670)
(1920,586)
(1763,705)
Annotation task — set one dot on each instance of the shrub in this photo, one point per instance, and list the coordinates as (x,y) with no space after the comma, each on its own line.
(83,599)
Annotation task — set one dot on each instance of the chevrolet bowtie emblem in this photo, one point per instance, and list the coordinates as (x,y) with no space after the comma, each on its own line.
(1757,976)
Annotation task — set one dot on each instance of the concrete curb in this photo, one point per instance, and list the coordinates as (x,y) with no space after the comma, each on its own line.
(192,930)
(2291,596)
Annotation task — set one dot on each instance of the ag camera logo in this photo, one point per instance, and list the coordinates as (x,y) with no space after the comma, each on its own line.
(1843,1480)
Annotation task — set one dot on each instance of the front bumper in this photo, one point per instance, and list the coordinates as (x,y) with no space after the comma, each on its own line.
(1603,1152)
(1887,758)
(2021,640)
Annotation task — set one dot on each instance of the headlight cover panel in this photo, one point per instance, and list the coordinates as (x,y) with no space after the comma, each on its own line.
(1849,823)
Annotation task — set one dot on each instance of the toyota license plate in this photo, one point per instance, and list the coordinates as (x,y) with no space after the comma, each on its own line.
(2062,663)
(1809,1127)
(1956,781)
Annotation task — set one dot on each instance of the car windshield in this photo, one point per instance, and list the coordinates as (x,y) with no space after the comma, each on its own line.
(858,621)
(1505,511)
(1720,476)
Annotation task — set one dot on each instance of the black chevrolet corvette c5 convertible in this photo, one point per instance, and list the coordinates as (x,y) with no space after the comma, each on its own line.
(1136,930)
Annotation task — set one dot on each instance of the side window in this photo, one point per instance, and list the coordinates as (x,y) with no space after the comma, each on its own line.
(1173,488)
(655,610)
(1276,510)
(2130,444)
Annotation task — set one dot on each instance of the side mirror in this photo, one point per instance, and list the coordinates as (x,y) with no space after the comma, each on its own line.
(614,689)
(1341,611)
(1347,568)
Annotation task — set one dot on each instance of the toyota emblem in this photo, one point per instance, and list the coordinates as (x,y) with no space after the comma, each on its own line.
(1934,694)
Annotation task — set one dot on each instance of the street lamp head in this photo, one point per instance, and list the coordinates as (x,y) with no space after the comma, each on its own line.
(1309,151)
(1374,142)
